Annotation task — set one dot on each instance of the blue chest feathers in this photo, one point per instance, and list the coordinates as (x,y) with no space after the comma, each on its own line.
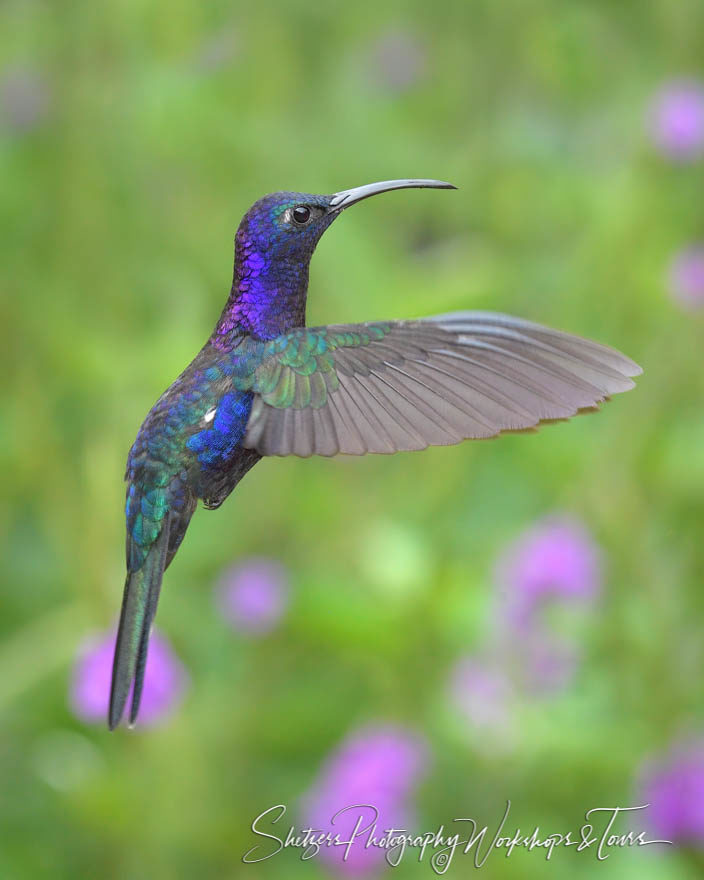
(224,431)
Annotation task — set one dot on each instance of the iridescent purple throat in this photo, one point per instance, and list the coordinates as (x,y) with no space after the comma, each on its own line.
(268,296)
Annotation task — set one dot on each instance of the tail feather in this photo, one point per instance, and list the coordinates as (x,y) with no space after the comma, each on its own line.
(152,601)
(139,603)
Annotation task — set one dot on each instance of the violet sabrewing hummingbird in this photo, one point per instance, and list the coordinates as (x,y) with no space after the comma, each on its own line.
(265,384)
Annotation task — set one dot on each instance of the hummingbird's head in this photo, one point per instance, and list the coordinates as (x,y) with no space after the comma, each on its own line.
(273,247)
(284,227)
(287,226)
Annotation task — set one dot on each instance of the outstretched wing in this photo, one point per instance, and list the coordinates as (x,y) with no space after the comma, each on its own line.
(403,385)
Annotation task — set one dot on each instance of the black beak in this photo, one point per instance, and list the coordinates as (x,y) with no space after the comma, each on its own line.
(348,197)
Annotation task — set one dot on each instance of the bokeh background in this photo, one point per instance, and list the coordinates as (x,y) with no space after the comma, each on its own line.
(439,631)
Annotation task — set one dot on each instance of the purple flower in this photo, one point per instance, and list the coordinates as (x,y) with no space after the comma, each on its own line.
(482,692)
(24,99)
(374,772)
(673,785)
(253,595)
(677,120)
(555,559)
(544,664)
(398,60)
(165,680)
(553,563)
(686,276)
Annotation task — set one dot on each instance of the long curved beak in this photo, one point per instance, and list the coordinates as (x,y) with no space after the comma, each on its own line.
(348,197)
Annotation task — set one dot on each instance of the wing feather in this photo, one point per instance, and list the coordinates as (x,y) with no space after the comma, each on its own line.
(405,385)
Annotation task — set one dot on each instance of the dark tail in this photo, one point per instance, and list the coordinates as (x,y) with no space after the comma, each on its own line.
(138,608)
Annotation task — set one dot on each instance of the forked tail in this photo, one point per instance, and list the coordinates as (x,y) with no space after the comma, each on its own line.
(138,608)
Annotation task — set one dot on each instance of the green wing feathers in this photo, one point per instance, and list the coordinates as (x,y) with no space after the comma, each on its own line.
(299,369)
(405,385)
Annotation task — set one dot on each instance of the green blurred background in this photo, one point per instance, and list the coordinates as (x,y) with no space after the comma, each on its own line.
(154,127)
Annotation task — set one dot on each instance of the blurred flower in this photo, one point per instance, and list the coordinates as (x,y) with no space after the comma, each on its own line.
(398,60)
(674,788)
(553,562)
(24,99)
(253,595)
(165,680)
(544,664)
(555,559)
(376,768)
(686,276)
(482,692)
(677,120)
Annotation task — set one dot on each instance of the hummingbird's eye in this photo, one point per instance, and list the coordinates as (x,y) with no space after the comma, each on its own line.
(301,214)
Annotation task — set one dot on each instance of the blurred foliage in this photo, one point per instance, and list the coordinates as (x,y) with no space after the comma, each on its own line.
(158,125)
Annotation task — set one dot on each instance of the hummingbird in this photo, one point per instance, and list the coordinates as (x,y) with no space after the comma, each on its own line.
(266,384)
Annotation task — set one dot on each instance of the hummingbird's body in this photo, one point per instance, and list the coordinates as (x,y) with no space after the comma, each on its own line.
(264,384)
